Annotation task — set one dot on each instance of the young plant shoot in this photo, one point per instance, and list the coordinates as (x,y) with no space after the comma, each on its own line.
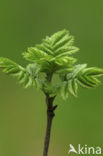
(54,56)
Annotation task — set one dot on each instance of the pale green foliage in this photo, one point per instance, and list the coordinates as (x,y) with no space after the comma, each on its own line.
(54,52)
(80,75)
(53,56)
(27,76)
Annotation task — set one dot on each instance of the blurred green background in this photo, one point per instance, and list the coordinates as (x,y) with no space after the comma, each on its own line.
(23,112)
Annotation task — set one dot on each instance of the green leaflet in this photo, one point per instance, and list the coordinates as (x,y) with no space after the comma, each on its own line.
(88,77)
(63,43)
(64,90)
(77,70)
(66,51)
(73,87)
(45,48)
(36,55)
(64,70)
(92,80)
(10,67)
(58,36)
(93,71)
(85,83)
(65,60)
(68,87)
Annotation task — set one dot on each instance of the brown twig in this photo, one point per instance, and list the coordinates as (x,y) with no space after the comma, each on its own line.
(50,116)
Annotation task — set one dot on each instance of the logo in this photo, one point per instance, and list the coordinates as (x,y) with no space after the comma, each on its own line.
(84,149)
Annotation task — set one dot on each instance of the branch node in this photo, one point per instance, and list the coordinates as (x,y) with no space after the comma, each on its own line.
(54,107)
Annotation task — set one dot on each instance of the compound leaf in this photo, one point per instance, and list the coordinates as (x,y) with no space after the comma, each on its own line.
(25,76)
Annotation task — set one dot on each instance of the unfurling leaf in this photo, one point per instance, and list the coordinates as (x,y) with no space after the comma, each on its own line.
(26,76)
(83,76)
(54,57)
(54,50)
